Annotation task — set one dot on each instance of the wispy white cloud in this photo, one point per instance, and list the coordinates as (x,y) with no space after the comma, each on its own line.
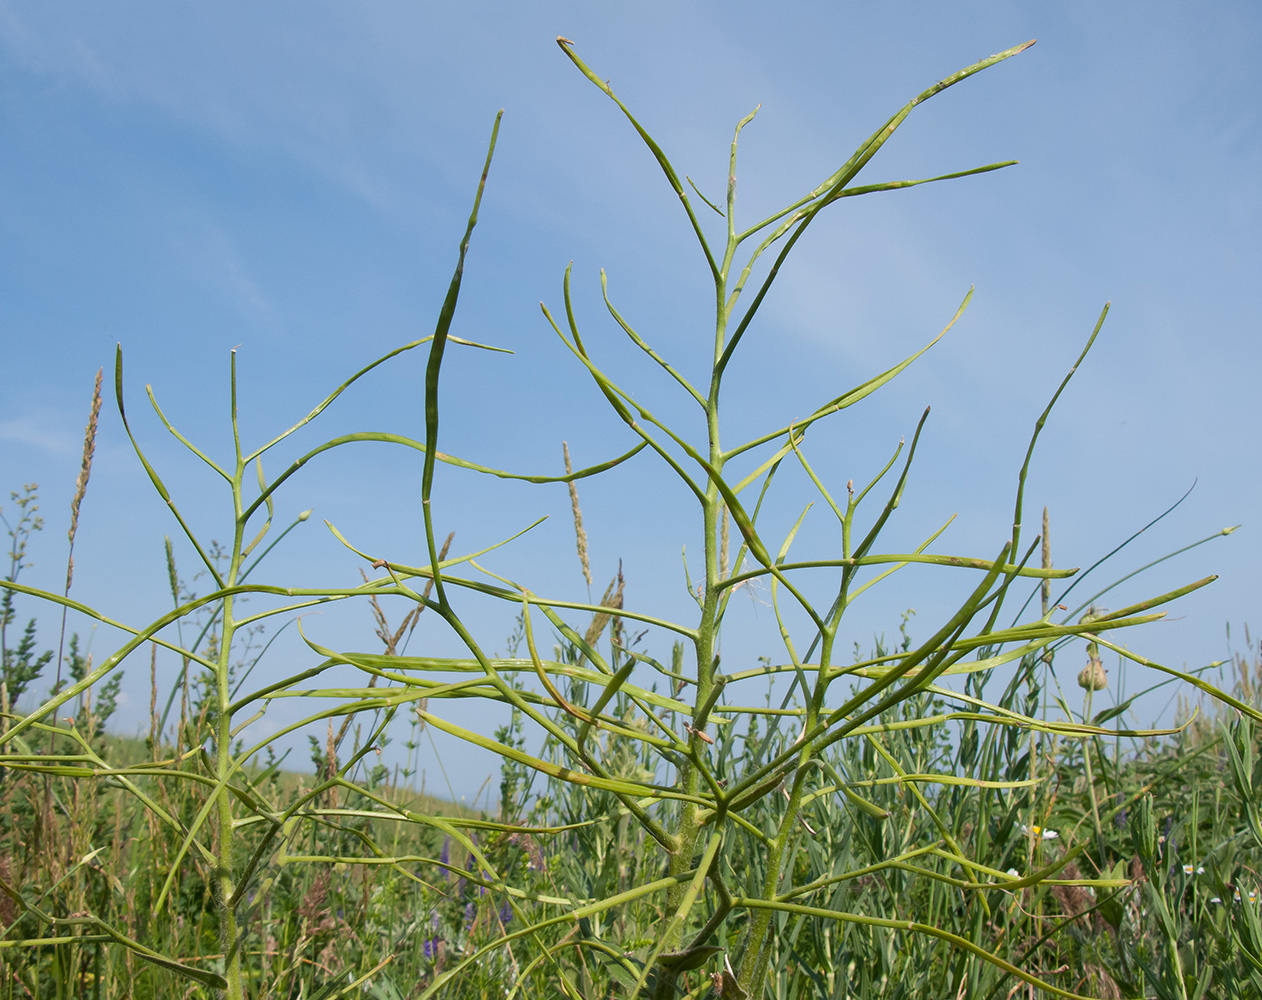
(338,93)
(361,95)
(40,431)
(212,256)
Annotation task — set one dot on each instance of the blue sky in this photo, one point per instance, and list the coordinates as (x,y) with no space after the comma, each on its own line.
(293,179)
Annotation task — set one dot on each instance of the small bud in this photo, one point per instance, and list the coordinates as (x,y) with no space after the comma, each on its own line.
(1092,677)
(304,515)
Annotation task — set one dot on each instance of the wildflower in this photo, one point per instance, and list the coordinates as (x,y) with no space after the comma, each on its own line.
(1013,873)
(1040,831)
(506,914)
(1187,870)
(1215,899)
(430,947)
(1253,896)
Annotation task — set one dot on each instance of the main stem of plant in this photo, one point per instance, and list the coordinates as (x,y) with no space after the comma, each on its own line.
(753,961)
(225,883)
(689,826)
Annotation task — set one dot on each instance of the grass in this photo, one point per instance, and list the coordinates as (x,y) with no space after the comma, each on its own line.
(1175,834)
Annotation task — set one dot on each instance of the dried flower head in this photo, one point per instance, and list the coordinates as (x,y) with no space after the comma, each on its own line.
(1092,677)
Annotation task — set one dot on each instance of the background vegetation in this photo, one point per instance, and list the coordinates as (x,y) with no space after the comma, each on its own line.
(1177,816)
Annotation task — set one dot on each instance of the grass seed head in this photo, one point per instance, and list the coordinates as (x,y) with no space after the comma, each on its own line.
(85,472)
(579,534)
